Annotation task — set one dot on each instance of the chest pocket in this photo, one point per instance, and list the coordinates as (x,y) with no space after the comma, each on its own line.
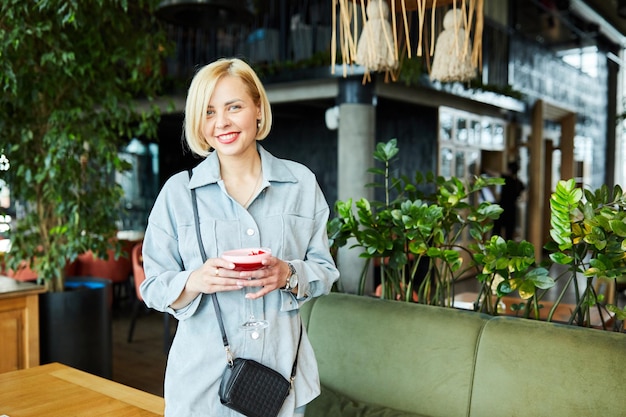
(188,243)
(295,235)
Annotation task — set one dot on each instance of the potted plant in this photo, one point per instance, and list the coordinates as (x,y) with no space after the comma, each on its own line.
(587,247)
(71,76)
(416,233)
(588,231)
(415,236)
(505,267)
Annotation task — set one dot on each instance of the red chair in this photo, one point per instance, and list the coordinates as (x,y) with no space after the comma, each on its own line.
(139,276)
(23,273)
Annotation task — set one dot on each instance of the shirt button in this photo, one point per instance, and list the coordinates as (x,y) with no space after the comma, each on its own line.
(250,232)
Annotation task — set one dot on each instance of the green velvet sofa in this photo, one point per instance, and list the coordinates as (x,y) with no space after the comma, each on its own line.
(385,358)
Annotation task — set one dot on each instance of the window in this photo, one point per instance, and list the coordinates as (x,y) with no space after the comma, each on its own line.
(585,59)
(463,137)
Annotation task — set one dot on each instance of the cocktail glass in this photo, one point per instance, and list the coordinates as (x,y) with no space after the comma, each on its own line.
(249,259)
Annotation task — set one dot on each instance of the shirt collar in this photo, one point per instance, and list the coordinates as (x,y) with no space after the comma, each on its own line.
(274,169)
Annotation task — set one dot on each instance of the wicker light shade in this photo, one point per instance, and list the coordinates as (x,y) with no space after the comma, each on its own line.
(375,49)
(348,21)
(205,13)
(452,61)
(428,4)
(411,5)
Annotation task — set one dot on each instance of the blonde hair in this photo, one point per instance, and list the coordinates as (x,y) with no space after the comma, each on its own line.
(199,95)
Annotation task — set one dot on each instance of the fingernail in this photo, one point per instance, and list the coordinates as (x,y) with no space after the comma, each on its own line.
(248,296)
(240,284)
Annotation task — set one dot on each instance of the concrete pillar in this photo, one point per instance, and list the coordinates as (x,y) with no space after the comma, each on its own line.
(357,137)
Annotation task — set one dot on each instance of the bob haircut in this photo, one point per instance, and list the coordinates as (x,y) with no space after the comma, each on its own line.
(201,90)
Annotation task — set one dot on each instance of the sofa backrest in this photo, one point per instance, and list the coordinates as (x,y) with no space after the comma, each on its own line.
(546,369)
(410,357)
(444,362)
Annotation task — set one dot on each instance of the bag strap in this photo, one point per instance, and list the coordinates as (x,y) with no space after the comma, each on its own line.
(218,312)
(216,304)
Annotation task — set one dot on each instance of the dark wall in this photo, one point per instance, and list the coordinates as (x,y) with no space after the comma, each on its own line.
(299,133)
(415,127)
(174,156)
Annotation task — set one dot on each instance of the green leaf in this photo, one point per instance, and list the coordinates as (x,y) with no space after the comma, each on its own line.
(540,278)
(618,227)
(526,290)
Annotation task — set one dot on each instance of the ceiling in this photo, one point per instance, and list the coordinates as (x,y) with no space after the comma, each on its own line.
(567,24)
(608,10)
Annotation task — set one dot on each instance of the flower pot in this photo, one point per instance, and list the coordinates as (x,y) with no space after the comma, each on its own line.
(75,326)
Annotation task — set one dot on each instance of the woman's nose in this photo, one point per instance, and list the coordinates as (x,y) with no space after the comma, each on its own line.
(222,121)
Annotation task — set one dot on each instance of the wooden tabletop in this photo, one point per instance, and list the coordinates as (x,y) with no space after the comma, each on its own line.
(10,287)
(59,390)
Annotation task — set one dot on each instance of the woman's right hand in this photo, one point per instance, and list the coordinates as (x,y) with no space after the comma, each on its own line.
(215,275)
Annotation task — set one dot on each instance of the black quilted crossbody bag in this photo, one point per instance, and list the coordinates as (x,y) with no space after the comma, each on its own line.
(247,386)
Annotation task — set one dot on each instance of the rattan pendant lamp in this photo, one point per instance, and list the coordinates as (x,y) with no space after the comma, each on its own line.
(205,13)
(353,36)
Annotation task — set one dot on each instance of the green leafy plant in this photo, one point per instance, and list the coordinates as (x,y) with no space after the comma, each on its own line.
(71,76)
(506,267)
(428,232)
(588,230)
(415,235)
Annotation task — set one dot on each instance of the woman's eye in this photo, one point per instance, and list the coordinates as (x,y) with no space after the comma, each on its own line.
(210,112)
(234,107)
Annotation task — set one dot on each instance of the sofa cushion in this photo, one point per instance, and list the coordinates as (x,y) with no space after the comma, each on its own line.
(531,368)
(411,357)
(333,404)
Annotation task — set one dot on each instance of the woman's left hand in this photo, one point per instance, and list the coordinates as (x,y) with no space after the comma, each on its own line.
(272,276)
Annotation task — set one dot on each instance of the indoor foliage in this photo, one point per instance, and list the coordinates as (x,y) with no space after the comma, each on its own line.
(429,232)
(588,229)
(71,75)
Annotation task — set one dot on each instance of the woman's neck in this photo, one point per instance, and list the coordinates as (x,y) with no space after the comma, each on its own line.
(242,178)
(231,168)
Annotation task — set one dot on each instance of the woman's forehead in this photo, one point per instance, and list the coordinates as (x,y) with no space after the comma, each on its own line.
(228,90)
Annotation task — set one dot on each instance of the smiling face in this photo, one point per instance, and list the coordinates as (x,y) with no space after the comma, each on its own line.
(201,96)
(230,123)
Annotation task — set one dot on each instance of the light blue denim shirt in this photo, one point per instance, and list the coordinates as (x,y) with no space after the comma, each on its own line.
(288,215)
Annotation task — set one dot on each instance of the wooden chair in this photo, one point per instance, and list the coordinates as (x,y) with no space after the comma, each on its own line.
(139,276)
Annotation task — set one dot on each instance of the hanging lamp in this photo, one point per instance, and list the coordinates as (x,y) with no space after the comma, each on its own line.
(376,50)
(453,56)
(347,23)
(205,13)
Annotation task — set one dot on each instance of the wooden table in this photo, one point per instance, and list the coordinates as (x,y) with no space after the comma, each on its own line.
(19,324)
(59,390)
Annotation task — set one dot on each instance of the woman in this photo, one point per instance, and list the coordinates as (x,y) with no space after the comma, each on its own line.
(246,198)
